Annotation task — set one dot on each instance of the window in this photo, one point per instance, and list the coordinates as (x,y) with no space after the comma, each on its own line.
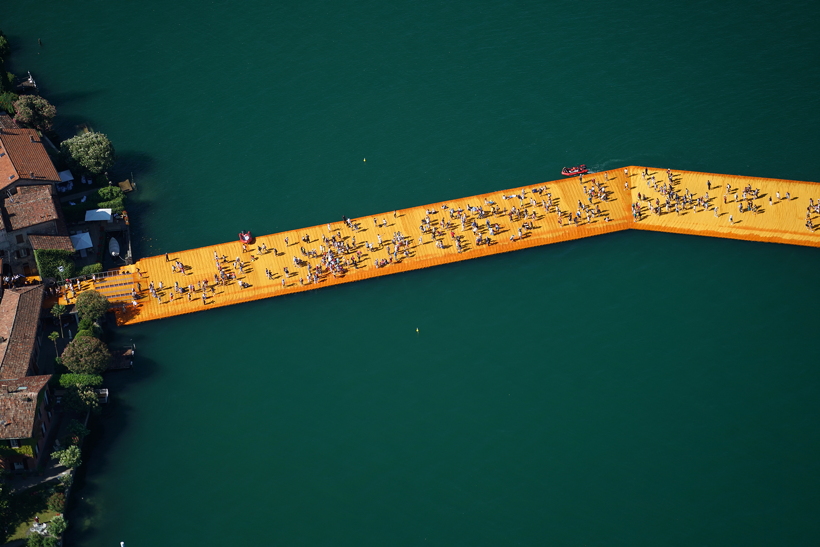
(14,443)
(20,238)
(18,466)
(43,428)
(36,450)
(21,253)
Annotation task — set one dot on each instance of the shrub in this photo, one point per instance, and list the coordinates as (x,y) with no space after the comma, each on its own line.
(49,262)
(91,269)
(36,540)
(86,355)
(66,479)
(80,380)
(117,205)
(7,99)
(85,332)
(56,502)
(107,193)
(86,323)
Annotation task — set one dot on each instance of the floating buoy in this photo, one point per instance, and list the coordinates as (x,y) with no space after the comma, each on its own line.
(364,159)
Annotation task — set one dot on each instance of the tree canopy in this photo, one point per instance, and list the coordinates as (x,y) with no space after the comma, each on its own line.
(70,457)
(35,111)
(86,355)
(90,151)
(91,305)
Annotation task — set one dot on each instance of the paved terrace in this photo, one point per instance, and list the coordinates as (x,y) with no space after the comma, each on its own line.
(626,202)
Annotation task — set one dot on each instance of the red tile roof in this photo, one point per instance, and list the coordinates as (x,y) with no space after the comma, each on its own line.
(62,243)
(18,406)
(29,206)
(19,318)
(23,156)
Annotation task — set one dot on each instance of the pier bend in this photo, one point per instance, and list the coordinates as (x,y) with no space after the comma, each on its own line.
(627,198)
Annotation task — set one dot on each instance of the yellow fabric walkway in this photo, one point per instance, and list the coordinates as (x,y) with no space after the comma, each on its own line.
(602,202)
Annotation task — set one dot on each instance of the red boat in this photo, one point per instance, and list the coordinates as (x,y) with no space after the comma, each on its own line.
(572,171)
(245,237)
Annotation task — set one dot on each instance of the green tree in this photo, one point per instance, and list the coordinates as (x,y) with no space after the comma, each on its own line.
(58,310)
(53,337)
(57,525)
(77,429)
(69,457)
(90,151)
(34,111)
(91,305)
(82,399)
(86,355)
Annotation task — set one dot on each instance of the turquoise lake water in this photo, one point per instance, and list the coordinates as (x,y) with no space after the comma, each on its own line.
(629,389)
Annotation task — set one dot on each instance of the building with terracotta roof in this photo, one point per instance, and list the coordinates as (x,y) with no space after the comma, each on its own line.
(25,422)
(31,210)
(23,159)
(61,243)
(19,331)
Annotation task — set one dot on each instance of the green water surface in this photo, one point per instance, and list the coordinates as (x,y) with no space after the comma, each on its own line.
(629,389)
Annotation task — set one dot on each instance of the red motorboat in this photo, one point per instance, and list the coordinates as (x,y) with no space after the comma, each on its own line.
(246,237)
(572,171)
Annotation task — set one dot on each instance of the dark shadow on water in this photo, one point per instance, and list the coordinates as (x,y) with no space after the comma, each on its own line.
(106,427)
(132,161)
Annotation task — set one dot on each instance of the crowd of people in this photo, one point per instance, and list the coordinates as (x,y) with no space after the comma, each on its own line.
(353,245)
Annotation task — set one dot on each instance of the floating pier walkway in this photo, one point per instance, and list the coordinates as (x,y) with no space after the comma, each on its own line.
(642,198)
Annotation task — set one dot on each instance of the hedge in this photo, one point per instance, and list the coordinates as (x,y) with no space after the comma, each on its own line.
(49,261)
(91,269)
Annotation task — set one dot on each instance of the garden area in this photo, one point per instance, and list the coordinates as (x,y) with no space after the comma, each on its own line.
(36,514)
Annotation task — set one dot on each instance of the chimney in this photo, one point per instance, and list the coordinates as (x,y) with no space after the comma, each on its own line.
(31,137)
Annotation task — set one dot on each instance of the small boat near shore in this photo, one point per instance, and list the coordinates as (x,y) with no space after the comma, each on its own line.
(246,237)
(114,247)
(572,171)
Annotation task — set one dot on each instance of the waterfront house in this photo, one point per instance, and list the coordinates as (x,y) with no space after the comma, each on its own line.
(28,182)
(23,159)
(20,331)
(25,407)
(26,211)
(25,422)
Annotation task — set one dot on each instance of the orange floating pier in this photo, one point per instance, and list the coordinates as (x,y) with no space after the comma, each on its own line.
(644,198)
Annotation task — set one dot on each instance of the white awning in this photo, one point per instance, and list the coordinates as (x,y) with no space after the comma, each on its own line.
(98,214)
(81,241)
(66,176)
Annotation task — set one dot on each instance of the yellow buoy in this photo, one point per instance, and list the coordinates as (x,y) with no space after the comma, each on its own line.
(364,159)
